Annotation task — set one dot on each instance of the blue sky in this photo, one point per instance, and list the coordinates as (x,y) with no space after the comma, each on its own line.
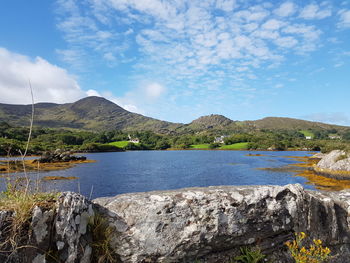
(177,60)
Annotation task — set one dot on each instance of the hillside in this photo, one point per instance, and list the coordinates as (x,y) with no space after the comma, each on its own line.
(275,123)
(97,114)
(90,113)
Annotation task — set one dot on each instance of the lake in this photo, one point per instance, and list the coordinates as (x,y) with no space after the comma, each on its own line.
(138,171)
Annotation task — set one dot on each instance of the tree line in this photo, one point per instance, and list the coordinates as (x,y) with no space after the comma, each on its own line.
(14,138)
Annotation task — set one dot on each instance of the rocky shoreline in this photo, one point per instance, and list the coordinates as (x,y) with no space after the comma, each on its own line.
(206,224)
(335,164)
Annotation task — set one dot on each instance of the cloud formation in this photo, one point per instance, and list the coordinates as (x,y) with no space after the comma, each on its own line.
(344,21)
(208,48)
(190,38)
(334,118)
(50,83)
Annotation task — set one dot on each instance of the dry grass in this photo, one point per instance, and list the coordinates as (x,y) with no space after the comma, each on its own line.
(101,237)
(20,204)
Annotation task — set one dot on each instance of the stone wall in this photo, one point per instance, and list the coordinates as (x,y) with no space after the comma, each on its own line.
(209,224)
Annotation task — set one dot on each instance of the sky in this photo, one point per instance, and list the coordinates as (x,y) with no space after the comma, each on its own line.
(177,60)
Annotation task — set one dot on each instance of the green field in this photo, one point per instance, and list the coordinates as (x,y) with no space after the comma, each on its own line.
(235,146)
(307,133)
(200,146)
(120,144)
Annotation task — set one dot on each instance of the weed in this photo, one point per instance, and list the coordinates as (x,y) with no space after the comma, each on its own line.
(249,255)
(20,203)
(101,233)
(316,253)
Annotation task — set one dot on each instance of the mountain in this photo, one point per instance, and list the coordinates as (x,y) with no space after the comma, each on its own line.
(90,113)
(97,114)
(275,123)
(211,123)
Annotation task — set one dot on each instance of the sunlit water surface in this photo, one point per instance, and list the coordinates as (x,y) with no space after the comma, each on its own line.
(138,171)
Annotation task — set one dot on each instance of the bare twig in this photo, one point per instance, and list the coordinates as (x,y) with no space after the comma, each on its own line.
(91,191)
(29,138)
(31,121)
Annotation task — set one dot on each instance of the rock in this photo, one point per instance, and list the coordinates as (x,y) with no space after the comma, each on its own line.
(62,229)
(58,156)
(213,223)
(336,160)
(73,212)
(210,224)
(318,155)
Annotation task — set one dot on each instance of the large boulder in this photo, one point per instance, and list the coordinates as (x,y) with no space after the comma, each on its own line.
(336,160)
(212,223)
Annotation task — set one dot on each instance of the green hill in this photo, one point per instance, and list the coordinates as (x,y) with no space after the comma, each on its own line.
(91,113)
(98,114)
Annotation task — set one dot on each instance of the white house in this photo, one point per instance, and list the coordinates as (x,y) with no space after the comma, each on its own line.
(133,140)
(220,139)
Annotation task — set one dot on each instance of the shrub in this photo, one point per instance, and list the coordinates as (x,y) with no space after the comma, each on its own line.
(316,253)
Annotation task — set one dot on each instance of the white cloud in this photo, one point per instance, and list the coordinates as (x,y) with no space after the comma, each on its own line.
(92,92)
(286,42)
(183,41)
(154,90)
(226,5)
(50,83)
(344,20)
(272,24)
(285,9)
(313,11)
(339,118)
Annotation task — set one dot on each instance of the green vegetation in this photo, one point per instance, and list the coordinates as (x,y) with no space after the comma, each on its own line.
(200,146)
(249,255)
(308,133)
(119,144)
(235,146)
(21,202)
(13,140)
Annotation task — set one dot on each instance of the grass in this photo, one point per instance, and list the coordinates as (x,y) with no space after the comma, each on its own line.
(120,144)
(200,146)
(235,146)
(21,204)
(307,133)
(101,236)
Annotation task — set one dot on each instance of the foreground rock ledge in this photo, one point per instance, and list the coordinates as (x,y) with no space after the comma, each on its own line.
(209,224)
(213,223)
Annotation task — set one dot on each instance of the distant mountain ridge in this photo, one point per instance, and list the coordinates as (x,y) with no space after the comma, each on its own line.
(97,113)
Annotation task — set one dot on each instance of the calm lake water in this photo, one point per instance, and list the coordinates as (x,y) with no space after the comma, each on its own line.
(138,171)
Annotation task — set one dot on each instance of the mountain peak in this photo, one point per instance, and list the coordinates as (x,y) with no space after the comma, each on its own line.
(211,121)
(94,99)
(214,119)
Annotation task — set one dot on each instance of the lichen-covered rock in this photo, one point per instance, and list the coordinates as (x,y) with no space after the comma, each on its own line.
(213,223)
(210,224)
(56,234)
(336,160)
(70,236)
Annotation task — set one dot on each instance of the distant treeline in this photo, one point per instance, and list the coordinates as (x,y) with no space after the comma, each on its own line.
(13,139)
